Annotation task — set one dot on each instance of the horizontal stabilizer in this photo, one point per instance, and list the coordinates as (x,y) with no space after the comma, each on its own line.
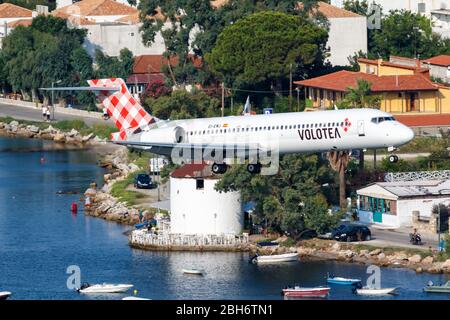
(102,89)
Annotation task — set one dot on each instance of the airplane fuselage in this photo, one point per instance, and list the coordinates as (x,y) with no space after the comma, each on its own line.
(295,132)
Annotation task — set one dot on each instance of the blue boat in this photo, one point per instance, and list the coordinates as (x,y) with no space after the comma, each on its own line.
(142,225)
(342,281)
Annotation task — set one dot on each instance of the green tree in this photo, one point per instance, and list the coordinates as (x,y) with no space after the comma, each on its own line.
(360,7)
(279,198)
(362,96)
(183,105)
(407,34)
(204,23)
(38,55)
(117,67)
(261,48)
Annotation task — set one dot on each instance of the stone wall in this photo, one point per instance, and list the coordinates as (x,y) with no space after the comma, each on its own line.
(424,225)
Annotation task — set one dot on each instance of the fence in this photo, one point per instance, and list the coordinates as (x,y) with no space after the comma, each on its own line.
(147,239)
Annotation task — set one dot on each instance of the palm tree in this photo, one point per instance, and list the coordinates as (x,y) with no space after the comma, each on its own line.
(339,162)
(362,97)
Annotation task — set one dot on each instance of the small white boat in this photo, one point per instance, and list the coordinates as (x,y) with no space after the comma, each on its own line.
(134,298)
(193,271)
(287,257)
(4,295)
(104,288)
(375,292)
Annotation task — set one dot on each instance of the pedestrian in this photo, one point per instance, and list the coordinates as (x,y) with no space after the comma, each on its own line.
(87,202)
(48,114)
(44,112)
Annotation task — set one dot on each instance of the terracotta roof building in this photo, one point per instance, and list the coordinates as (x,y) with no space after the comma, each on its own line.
(9,10)
(402,89)
(98,10)
(148,69)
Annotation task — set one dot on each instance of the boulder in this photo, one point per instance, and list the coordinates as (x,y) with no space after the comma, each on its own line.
(72,133)
(59,137)
(33,129)
(14,123)
(87,137)
(446,265)
(336,246)
(419,270)
(436,268)
(427,260)
(381,256)
(375,252)
(132,167)
(415,258)
(49,129)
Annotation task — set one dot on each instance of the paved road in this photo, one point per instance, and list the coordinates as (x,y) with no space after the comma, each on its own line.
(26,113)
(400,238)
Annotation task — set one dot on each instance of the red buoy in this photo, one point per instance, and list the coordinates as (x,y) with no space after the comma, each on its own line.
(74,207)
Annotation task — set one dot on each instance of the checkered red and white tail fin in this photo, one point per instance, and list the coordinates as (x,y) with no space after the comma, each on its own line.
(126,112)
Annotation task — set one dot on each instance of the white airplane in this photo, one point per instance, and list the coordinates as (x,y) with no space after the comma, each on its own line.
(295,132)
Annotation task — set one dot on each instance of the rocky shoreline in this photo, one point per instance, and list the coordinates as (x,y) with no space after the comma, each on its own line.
(317,249)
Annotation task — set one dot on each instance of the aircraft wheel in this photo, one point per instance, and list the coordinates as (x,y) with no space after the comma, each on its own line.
(393,158)
(219,168)
(253,168)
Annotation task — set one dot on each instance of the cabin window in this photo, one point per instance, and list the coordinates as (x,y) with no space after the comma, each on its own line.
(199,184)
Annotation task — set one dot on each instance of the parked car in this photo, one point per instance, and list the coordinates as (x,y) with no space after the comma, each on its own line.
(349,232)
(143,181)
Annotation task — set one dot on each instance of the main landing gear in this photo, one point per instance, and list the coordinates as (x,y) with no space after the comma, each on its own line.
(393,158)
(254,168)
(219,168)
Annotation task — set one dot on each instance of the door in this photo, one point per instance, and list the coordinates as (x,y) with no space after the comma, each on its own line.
(361,128)
(377,210)
(412,103)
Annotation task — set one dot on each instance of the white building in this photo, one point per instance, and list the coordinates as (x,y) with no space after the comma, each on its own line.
(393,203)
(11,16)
(439,67)
(347,34)
(196,208)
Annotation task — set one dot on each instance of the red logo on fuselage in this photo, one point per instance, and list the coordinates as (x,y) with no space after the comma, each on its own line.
(347,124)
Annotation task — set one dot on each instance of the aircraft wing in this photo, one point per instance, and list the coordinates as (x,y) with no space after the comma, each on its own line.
(166,148)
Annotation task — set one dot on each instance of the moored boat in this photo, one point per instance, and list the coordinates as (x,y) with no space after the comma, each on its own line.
(304,292)
(134,298)
(287,257)
(342,280)
(268,244)
(104,288)
(375,292)
(445,288)
(193,271)
(4,295)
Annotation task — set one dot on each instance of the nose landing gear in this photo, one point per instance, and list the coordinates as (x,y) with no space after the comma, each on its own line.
(393,158)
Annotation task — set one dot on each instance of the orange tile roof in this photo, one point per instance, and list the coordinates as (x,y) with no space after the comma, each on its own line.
(192,170)
(20,22)
(330,11)
(78,21)
(424,120)
(442,60)
(216,4)
(9,10)
(97,8)
(341,80)
(152,63)
(386,63)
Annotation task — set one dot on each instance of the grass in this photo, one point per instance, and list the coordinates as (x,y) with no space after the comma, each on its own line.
(120,192)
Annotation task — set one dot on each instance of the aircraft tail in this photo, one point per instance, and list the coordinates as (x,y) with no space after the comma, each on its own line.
(126,112)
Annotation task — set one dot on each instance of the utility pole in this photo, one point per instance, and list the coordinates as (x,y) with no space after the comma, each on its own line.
(290,87)
(223,99)
(53,101)
(298,99)
(374,158)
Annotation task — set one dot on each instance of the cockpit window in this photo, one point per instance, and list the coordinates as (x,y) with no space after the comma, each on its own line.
(381,119)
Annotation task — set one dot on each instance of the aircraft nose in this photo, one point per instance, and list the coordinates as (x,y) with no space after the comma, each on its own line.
(408,134)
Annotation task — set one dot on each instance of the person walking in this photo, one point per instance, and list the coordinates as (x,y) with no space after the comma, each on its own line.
(44,112)
(48,114)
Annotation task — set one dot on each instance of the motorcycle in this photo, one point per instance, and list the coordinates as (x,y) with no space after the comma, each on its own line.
(415,239)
